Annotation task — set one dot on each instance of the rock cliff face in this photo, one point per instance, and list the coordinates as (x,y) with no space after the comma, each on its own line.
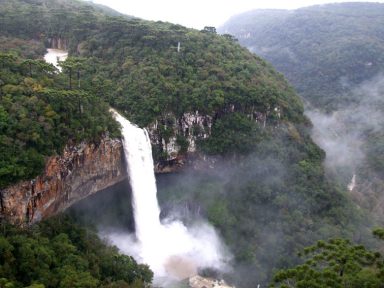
(179,139)
(175,139)
(81,171)
(58,43)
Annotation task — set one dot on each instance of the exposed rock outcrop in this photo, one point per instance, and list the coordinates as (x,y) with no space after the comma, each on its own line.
(58,43)
(179,145)
(201,282)
(175,139)
(81,171)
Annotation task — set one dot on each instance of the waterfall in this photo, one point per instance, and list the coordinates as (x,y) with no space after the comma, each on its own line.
(352,184)
(138,155)
(53,56)
(172,250)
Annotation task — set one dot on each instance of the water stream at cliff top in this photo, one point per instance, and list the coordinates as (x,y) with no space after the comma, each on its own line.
(138,154)
(173,251)
(53,56)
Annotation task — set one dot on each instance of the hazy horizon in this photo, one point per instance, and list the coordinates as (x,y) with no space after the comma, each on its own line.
(199,13)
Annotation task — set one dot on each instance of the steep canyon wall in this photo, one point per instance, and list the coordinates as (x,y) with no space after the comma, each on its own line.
(79,172)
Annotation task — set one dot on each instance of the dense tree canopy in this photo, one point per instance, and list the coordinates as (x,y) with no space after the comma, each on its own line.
(136,65)
(335,263)
(325,50)
(60,253)
(333,54)
(38,117)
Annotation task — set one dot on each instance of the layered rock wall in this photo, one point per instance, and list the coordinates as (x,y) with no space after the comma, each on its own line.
(58,43)
(183,133)
(81,171)
(176,138)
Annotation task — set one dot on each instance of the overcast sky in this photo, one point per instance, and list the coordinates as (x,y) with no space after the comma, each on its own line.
(200,13)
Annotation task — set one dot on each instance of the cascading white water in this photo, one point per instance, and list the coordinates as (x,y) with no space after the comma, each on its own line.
(138,155)
(55,55)
(172,250)
(352,184)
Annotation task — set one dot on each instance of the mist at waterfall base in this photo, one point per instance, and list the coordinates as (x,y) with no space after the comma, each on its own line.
(256,202)
(171,249)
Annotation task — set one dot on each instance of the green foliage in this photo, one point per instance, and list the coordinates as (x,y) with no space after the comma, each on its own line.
(60,253)
(38,117)
(210,74)
(183,143)
(334,55)
(325,51)
(379,233)
(272,195)
(233,133)
(334,263)
(136,67)
(65,19)
(28,49)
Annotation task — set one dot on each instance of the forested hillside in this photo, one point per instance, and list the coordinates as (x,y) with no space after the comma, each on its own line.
(333,55)
(39,116)
(126,59)
(325,51)
(267,192)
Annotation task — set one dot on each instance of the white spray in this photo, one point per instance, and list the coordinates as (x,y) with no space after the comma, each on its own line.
(352,184)
(172,250)
(53,56)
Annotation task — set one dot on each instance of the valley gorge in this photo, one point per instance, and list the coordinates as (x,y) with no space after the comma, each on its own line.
(232,150)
